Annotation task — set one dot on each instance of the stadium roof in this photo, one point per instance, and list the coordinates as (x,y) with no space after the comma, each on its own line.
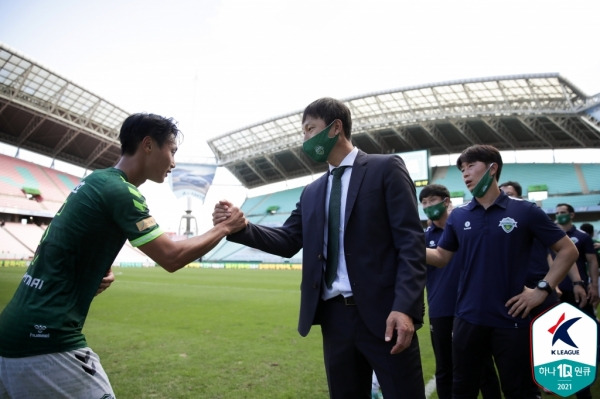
(541,111)
(45,113)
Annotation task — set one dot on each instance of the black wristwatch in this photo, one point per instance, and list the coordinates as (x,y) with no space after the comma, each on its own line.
(580,282)
(543,285)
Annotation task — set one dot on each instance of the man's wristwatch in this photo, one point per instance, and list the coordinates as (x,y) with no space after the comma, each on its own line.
(580,282)
(543,285)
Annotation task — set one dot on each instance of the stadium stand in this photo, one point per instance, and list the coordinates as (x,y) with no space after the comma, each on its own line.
(576,184)
(19,174)
(31,188)
(591,175)
(11,247)
(30,195)
(45,113)
(561,179)
(28,234)
(448,176)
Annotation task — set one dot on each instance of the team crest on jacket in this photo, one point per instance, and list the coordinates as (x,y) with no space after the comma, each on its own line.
(508,224)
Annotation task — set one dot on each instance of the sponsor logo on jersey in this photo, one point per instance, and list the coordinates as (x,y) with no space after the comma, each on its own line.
(77,187)
(146,223)
(36,283)
(508,224)
(39,328)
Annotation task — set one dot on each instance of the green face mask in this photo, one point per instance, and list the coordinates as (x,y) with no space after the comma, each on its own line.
(435,212)
(563,218)
(320,145)
(484,184)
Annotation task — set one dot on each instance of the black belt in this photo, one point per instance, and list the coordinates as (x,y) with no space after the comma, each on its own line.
(348,300)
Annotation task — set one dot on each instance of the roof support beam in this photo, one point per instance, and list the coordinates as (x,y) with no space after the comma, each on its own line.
(99,150)
(570,130)
(302,158)
(403,134)
(252,165)
(376,142)
(465,130)
(275,164)
(64,141)
(439,138)
(35,122)
(537,130)
(501,130)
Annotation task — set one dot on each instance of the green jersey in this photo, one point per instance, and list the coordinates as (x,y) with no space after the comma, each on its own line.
(48,310)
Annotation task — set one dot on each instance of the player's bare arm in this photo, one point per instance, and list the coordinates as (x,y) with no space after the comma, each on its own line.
(529,298)
(437,257)
(173,255)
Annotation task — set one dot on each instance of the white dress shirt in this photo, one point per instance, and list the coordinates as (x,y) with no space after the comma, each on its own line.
(341,284)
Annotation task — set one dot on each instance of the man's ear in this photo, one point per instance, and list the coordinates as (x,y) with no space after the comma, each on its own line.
(494,169)
(338,127)
(147,143)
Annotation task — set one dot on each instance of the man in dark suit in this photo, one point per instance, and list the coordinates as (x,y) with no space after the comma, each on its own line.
(370,310)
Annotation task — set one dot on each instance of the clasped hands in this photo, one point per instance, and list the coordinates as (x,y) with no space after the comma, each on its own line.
(232,216)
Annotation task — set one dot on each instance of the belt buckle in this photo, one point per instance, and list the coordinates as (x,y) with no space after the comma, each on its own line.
(349,301)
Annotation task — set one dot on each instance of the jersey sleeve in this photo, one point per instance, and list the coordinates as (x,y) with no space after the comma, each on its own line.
(449,240)
(543,227)
(131,213)
(588,245)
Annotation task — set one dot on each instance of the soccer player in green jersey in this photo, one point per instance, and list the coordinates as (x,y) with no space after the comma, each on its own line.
(43,352)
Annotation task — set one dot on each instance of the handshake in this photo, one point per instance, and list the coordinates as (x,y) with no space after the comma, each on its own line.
(231,217)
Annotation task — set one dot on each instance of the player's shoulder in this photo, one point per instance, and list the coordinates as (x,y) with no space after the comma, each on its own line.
(582,235)
(464,207)
(109,181)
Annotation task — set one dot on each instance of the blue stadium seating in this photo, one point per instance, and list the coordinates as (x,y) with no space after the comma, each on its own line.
(566,183)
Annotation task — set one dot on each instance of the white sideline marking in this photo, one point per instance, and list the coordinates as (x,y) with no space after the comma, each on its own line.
(430,387)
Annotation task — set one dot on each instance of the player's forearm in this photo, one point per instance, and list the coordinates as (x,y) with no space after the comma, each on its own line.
(194,248)
(434,257)
(560,267)
(574,273)
(174,255)
(593,271)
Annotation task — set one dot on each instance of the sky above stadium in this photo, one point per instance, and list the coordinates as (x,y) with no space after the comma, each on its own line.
(219,65)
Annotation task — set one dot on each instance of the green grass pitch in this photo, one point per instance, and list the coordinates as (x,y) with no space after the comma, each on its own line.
(206,333)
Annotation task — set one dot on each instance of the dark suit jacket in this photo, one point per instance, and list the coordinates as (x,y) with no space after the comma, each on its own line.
(383,242)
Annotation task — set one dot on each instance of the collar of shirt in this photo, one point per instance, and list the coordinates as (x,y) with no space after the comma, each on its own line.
(433,227)
(347,161)
(500,201)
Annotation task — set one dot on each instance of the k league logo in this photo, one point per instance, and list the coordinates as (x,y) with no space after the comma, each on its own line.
(564,349)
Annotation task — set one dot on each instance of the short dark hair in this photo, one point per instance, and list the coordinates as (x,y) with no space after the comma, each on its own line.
(569,207)
(434,189)
(137,126)
(588,228)
(483,153)
(330,109)
(515,185)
